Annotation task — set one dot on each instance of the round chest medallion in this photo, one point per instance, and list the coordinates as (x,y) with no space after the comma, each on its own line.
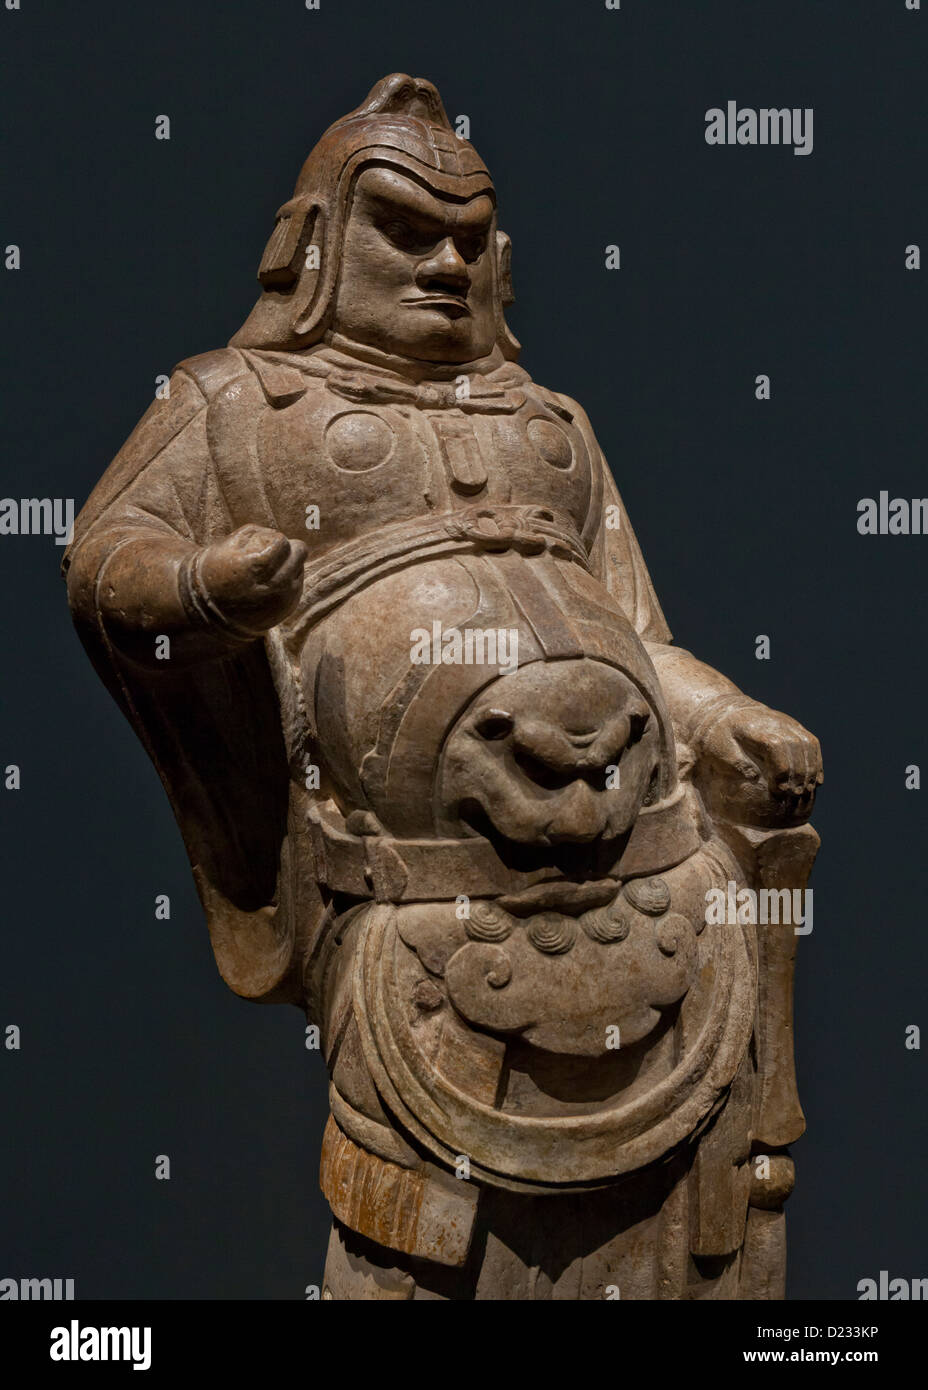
(359,440)
(551,442)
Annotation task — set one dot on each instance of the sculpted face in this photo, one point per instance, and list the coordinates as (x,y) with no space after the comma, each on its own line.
(532,756)
(416,271)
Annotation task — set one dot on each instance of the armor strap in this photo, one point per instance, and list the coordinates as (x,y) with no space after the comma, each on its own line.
(348,568)
(385,869)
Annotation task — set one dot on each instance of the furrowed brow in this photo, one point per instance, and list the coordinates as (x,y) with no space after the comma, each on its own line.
(472,219)
(432,214)
(400,205)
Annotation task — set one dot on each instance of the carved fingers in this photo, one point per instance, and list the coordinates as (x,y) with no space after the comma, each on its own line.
(253,577)
(763,765)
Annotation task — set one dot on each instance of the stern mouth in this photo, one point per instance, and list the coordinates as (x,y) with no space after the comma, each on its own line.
(580,874)
(451,305)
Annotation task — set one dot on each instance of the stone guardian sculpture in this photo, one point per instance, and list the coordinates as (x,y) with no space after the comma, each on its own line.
(369,595)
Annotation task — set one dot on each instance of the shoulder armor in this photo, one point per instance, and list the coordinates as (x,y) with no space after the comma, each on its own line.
(213,370)
(193,382)
(564,406)
(282,384)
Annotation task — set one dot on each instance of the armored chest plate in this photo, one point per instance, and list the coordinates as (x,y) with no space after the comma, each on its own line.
(367,463)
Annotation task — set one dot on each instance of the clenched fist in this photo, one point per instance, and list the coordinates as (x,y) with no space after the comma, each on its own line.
(758,767)
(251,579)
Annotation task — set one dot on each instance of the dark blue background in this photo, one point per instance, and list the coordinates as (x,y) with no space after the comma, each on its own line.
(735,261)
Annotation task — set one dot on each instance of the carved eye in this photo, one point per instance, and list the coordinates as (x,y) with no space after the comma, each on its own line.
(495,724)
(404,236)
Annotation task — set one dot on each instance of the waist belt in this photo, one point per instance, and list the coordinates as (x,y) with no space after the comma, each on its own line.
(386,869)
(351,567)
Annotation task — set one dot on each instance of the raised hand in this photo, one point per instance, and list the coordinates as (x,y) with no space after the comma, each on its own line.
(252,578)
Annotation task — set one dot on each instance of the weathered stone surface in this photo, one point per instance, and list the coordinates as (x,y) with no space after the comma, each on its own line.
(370,597)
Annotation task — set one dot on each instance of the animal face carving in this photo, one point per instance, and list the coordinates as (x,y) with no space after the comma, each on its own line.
(557,753)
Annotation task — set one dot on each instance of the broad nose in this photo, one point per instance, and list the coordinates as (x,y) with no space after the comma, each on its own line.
(445,268)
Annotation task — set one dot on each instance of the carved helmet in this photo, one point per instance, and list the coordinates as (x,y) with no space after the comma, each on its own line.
(401,125)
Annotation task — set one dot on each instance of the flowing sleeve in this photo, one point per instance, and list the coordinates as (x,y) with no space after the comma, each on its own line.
(212,728)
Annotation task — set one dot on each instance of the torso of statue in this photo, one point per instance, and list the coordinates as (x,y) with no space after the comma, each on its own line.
(370,449)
